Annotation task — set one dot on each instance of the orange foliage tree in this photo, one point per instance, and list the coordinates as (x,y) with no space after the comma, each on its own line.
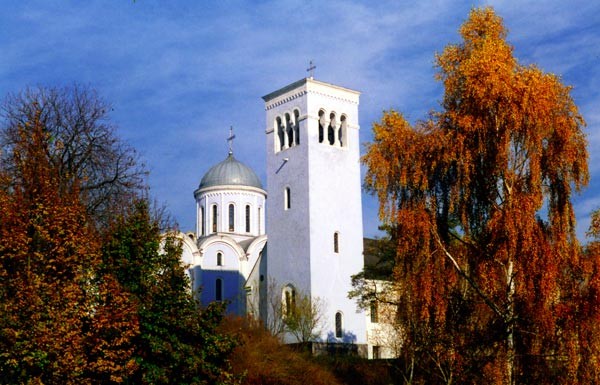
(47,257)
(57,326)
(87,297)
(478,196)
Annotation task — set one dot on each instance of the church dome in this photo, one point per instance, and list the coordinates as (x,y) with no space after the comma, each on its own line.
(230,172)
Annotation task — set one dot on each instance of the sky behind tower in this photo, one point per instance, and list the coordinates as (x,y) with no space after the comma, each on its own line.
(180,73)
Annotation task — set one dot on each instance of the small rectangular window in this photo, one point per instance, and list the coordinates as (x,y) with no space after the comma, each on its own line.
(376,353)
(338,325)
(214,218)
(336,242)
(374,309)
(287,199)
(231,217)
(201,220)
(247,218)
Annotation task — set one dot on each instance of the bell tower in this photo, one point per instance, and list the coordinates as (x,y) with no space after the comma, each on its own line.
(314,212)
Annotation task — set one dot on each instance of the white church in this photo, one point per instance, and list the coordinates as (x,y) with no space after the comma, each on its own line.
(307,237)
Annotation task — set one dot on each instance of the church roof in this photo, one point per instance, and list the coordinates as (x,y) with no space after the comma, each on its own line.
(230,172)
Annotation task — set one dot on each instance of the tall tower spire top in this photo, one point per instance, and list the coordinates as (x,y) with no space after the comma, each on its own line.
(311,69)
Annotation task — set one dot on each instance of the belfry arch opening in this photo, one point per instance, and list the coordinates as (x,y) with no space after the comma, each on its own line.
(280,140)
(321,126)
(342,133)
(287,130)
(297,126)
(334,131)
(331,129)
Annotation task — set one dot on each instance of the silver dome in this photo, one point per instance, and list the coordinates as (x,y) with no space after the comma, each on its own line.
(230,172)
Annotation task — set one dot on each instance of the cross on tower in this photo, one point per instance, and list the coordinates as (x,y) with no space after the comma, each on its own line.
(230,140)
(311,69)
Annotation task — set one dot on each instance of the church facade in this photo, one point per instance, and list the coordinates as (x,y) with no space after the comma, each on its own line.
(307,237)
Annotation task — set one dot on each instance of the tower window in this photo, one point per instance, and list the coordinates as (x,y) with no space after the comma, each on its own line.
(336,242)
(297,126)
(214,218)
(280,142)
(231,217)
(247,218)
(342,134)
(321,126)
(331,129)
(338,325)
(219,289)
(289,300)
(219,259)
(289,128)
(287,199)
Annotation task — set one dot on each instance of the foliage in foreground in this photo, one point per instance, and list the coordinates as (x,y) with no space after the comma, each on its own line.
(177,343)
(47,256)
(261,359)
(490,288)
(81,305)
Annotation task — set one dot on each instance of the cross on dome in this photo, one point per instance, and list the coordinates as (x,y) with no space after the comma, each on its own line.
(230,140)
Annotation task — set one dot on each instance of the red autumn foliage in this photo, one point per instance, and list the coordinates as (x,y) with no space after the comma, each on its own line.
(493,284)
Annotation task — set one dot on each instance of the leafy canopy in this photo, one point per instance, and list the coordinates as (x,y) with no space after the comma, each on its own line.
(479,198)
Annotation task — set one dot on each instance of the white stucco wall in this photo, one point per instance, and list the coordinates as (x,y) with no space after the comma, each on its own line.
(233,257)
(223,196)
(325,198)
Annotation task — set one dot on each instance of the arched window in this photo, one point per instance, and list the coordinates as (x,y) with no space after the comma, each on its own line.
(219,259)
(336,242)
(280,142)
(202,220)
(231,217)
(331,129)
(321,126)
(219,289)
(297,126)
(338,325)
(214,218)
(289,129)
(342,134)
(287,199)
(289,300)
(247,218)
(374,310)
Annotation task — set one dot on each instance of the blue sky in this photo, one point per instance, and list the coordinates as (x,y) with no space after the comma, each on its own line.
(179,73)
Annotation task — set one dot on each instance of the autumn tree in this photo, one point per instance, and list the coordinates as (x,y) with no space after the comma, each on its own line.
(47,257)
(292,313)
(261,358)
(487,261)
(305,318)
(82,144)
(82,306)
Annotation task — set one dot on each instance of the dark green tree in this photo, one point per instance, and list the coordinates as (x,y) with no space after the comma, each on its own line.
(178,342)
